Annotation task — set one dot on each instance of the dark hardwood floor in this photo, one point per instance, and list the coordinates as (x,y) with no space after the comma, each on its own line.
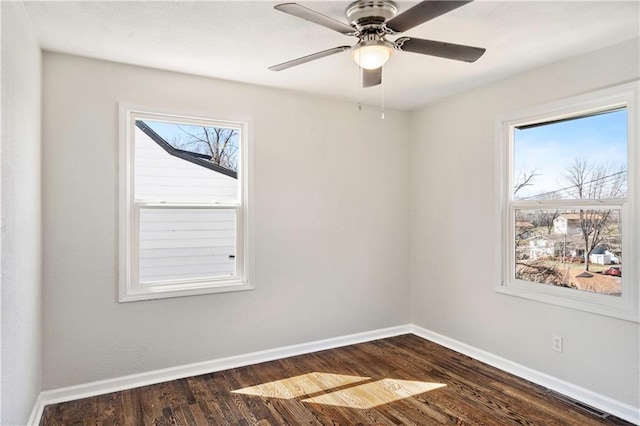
(402,380)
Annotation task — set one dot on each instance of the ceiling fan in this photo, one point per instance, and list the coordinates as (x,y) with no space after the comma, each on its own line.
(371,21)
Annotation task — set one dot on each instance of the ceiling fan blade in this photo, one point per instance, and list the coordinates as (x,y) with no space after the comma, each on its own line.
(441,49)
(422,12)
(371,78)
(308,58)
(315,17)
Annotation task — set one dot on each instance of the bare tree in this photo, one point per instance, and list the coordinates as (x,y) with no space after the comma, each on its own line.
(220,144)
(525,178)
(541,272)
(544,218)
(590,180)
(549,220)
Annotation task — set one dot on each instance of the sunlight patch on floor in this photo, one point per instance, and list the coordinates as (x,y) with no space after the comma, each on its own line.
(369,395)
(344,391)
(303,385)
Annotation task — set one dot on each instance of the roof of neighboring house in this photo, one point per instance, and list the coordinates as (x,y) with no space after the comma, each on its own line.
(524,225)
(570,239)
(589,215)
(541,237)
(570,216)
(193,157)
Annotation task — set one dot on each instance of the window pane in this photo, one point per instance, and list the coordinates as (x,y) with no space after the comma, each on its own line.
(184,163)
(218,144)
(177,244)
(580,158)
(579,249)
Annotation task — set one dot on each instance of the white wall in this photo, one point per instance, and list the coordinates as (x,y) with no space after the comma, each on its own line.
(21,216)
(454,239)
(331,233)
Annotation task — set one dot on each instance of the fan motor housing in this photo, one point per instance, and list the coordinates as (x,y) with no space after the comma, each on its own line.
(367,13)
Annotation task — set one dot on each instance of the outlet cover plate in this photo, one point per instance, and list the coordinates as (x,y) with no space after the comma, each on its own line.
(556,343)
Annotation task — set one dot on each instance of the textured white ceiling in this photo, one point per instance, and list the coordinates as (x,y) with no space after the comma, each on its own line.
(238,40)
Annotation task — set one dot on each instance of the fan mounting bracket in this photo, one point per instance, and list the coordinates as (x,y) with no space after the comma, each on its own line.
(368,14)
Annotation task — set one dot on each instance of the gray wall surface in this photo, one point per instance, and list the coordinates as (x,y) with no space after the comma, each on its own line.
(330,224)
(21,216)
(452,143)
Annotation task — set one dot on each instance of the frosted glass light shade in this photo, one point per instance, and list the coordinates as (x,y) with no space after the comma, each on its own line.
(372,56)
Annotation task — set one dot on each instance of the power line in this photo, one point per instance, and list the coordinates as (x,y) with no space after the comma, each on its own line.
(551,194)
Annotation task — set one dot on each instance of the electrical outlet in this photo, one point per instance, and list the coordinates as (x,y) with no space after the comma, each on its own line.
(556,343)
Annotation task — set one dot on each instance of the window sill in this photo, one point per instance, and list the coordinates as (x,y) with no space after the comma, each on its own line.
(151,292)
(601,304)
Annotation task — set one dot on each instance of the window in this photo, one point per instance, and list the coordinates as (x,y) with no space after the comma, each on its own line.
(567,189)
(183,205)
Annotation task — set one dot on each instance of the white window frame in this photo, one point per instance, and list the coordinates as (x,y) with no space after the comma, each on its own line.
(130,289)
(624,307)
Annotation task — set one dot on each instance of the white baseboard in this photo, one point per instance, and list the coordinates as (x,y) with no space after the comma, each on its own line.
(70,393)
(36,413)
(604,403)
(158,376)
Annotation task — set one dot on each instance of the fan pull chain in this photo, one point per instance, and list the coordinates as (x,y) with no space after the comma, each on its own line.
(382,99)
(360,87)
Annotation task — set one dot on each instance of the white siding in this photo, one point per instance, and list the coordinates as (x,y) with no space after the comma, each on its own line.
(560,225)
(186,243)
(161,176)
(600,259)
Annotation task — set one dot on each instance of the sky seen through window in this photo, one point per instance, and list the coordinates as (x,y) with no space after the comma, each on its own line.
(548,150)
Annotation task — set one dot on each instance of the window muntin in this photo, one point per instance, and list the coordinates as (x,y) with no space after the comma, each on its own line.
(183,211)
(591,137)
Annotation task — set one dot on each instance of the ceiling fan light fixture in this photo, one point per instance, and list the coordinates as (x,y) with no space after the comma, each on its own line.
(371,22)
(371,56)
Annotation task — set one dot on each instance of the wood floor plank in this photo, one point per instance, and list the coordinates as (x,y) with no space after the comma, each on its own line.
(403,380)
